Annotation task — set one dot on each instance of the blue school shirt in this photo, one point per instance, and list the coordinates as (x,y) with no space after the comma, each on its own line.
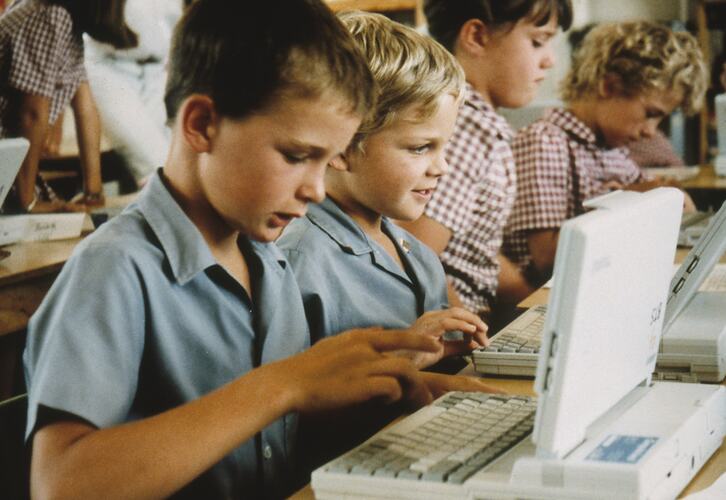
(143,319)
(347,280)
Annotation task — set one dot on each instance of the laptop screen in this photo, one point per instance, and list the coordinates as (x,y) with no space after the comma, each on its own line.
(12,154)
(696,267)
(606,308)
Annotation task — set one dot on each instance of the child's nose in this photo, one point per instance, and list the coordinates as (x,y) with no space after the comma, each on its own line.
(548,58)
(649,129)
(313,188)
(439,166)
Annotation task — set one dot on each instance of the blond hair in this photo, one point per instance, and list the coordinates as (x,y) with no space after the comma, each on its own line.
(409,69)
(644,57)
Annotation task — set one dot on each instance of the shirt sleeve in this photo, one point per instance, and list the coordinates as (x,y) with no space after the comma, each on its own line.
(455,200)
(38,51)
(86,341)
(542,163)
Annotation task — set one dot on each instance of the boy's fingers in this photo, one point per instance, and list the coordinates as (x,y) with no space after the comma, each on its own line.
(412,383)
(457,347)
(381,386)
(392,340)
(469,317)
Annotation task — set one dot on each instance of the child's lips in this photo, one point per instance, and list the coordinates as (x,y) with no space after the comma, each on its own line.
(282,219)
(426,193)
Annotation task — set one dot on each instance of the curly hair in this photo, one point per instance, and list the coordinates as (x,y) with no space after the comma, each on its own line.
(409,69)
(645,57)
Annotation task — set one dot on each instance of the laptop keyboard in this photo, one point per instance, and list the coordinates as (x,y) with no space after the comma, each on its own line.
(448,441)
(523,335)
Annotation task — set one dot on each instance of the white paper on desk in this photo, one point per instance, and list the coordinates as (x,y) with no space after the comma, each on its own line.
(12,229)
(674,173)
(717,491)
(44,227)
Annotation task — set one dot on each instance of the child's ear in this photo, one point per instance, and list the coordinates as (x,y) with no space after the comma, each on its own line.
(339,163)
(199,122)
(610,86)
(473,37)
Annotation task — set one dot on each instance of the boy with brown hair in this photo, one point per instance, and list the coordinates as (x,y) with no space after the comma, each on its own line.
(166,359)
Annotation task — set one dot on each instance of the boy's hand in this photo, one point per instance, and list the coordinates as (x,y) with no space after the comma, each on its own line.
(353,367)
(435,324)
(439,384)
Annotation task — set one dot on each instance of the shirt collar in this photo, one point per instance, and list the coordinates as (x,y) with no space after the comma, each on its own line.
(572,125)
(181,241)
(187,252)
(492,119)
(339,226)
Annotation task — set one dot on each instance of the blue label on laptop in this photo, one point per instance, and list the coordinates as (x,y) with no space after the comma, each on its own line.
(622,449)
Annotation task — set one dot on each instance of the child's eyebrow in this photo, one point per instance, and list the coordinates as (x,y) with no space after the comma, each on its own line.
(310,149)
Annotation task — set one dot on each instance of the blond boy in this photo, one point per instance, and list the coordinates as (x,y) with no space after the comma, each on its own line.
(624,80)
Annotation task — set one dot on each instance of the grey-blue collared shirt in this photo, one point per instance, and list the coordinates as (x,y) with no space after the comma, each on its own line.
(349,281)
(143,319)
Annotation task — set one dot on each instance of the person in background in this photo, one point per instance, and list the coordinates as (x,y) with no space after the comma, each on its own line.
(654,151)
(505,48)
(41,60)
(128,85)
(625,78)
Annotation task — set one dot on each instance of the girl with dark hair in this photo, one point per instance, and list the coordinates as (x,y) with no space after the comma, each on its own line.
(41,72)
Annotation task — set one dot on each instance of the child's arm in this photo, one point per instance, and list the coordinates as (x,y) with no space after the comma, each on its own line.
(157,456)
(34,113)
(88,133)
(513,286)
(543,247)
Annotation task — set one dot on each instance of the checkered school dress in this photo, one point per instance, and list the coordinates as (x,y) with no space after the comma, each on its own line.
(40,54)
(559,166)
(473,200)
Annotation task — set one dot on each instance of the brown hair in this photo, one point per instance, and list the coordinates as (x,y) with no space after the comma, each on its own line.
(243,58)
(446,17)
(103,20)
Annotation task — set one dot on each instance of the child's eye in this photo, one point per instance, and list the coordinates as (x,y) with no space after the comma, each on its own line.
(294,158)
(419,150)
(537,43)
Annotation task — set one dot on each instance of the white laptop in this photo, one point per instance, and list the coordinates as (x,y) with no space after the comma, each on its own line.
(12,154)
(693,346)
(601,428)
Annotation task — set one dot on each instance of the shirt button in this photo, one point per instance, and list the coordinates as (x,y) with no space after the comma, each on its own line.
(267,452)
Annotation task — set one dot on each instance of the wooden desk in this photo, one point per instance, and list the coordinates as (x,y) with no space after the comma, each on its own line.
(706,179)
